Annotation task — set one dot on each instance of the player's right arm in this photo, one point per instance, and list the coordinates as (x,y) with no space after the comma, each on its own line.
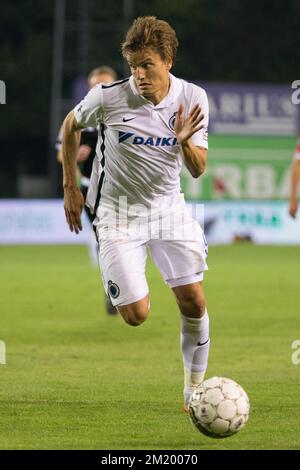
(73,198)
(295,180)
(88,113)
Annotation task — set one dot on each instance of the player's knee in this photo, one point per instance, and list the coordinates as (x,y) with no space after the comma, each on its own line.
(134,321)
(195,307)
(193,303)
(134,315)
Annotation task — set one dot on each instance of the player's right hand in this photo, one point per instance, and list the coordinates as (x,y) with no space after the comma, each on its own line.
(73,204)
(293,208)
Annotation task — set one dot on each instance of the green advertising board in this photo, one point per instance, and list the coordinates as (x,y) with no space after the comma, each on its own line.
(243,168)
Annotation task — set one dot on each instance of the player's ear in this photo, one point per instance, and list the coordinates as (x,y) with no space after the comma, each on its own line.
(169,64)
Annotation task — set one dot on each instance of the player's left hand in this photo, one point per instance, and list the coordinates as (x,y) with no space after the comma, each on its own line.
(185,127)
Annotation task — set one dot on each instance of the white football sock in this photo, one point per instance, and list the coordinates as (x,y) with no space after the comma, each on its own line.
(195,349)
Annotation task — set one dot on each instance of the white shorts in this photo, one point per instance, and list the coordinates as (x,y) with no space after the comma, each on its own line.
(123,262)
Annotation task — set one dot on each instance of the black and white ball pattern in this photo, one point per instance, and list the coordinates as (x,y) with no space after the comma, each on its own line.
(219,407)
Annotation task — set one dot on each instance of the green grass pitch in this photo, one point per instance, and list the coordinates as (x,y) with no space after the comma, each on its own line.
(76,378)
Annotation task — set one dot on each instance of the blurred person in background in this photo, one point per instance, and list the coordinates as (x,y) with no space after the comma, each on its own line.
(86,160)
(295,180)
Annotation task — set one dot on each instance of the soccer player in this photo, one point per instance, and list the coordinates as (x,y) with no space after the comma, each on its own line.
(150,123)
(295,180)
(86,154)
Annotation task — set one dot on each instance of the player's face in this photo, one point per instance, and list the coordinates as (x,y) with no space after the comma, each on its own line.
(151,74)
(100,78)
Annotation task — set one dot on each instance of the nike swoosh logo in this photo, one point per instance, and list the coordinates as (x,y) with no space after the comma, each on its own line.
(126,120)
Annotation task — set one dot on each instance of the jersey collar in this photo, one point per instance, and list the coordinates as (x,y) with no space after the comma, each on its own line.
(174,91)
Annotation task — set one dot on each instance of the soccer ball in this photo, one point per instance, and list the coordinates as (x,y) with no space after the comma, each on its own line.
(219,407)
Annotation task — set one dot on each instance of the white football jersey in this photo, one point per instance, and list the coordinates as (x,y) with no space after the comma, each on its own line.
(138,155)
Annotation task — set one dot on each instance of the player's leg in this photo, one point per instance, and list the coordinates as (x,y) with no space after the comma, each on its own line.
(182,263)
(194,334)
(122,264)
(135,313)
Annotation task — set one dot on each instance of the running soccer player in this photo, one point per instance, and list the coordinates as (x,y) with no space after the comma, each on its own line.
(295,180)
(150,123)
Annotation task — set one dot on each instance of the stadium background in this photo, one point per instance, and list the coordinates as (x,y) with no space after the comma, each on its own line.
(62,352)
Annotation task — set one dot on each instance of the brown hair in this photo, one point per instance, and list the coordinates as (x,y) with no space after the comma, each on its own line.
(148,31)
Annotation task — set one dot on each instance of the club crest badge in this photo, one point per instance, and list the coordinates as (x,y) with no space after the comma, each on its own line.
(172,121)
(113,289)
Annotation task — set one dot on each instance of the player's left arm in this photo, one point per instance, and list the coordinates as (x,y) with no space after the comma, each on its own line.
(185,127)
